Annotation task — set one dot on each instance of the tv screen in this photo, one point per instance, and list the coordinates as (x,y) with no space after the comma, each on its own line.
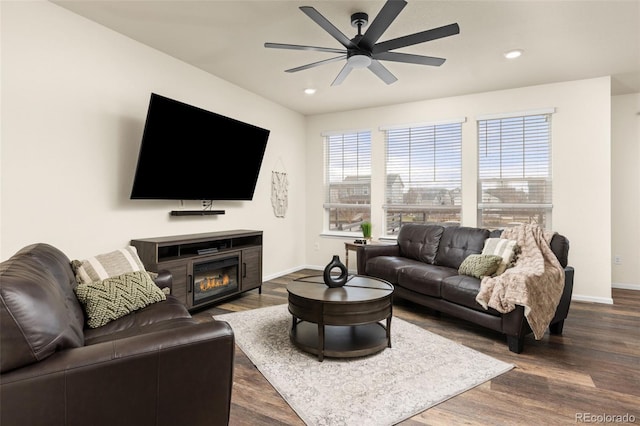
(188,153)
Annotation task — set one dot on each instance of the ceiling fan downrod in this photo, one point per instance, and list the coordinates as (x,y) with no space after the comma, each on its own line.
(359,20)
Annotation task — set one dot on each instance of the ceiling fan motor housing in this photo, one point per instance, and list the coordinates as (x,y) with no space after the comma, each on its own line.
(359,20)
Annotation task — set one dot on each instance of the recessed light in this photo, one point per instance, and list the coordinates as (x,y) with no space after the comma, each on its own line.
(309,91)
(512,54)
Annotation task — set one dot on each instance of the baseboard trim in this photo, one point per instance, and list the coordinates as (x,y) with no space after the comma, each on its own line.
(315,267)
(290,271)
(281,273)
(626,286)
(591,299)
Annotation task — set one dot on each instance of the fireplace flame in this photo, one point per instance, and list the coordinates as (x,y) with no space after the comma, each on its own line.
(209,283)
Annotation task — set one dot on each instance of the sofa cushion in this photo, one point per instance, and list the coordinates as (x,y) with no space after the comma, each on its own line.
(170,309)
(424,279)
(115,297)
(419,242)
(462,290)
(457,243)
(387,267)
(38,311)
(106,265)
(480,265)
(154,317)
(496,233)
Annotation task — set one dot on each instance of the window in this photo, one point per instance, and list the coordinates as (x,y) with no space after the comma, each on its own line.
(423,174)
(514,170)
(347,181)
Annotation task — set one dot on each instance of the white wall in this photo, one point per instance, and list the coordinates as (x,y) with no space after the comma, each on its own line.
(74,101)
(581,150)
(625,190)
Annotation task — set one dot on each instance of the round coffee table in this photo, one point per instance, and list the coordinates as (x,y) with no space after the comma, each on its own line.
(340,322)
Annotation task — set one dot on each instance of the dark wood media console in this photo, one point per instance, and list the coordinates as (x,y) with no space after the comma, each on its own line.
(239,252)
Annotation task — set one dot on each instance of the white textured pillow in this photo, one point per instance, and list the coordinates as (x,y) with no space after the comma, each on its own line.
(501,247)
(107,265)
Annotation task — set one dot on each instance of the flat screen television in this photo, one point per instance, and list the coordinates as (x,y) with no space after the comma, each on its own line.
(188,153)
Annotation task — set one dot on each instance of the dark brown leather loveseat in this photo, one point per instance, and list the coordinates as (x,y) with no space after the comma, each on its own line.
(423,267)
(155,366)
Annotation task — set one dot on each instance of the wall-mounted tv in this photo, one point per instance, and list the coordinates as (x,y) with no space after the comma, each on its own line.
(188,153)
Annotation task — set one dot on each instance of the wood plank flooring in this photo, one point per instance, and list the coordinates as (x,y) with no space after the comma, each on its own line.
(593,369)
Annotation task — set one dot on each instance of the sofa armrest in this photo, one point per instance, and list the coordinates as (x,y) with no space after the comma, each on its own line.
(175,376)
(369,251)
(164,280)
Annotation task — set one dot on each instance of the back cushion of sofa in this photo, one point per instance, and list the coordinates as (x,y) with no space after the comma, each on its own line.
(419,241)
(457,243)
(38,309)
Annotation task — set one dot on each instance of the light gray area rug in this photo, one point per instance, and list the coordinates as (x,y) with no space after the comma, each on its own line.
(420,370)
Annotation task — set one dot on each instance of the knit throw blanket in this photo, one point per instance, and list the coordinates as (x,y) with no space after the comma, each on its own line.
(536,281)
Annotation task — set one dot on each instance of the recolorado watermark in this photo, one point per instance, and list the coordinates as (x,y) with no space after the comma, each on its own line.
(605,418)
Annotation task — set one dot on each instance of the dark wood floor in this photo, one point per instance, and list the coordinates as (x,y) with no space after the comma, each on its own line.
(593,369)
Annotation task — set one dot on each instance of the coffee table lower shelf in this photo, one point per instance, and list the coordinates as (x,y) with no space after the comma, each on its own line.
(340,341)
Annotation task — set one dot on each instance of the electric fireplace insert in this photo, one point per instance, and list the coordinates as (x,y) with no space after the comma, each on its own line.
(214,278)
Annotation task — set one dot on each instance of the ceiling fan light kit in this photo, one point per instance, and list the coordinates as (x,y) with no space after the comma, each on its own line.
(363,50)
(359,60)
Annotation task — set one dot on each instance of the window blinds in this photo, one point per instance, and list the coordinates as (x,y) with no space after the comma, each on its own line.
(426,162)
(423,174)
(514,170)
(347,179)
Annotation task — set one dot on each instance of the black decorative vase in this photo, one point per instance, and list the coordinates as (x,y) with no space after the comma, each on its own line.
(335,281)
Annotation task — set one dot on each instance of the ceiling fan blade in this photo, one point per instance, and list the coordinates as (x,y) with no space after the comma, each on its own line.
(421,37)
(315,64)
(385,75)
(327,26)
(344,72)
(298,47)
(385,17)
(408,58)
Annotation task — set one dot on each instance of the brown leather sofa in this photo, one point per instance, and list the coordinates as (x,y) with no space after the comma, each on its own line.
(155,366)
(423,267)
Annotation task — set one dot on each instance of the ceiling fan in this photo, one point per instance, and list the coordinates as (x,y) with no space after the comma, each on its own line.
(363,51)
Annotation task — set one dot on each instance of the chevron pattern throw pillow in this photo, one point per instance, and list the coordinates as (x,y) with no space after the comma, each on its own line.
(115,297)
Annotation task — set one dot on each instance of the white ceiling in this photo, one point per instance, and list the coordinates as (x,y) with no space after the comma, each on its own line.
(562,40)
